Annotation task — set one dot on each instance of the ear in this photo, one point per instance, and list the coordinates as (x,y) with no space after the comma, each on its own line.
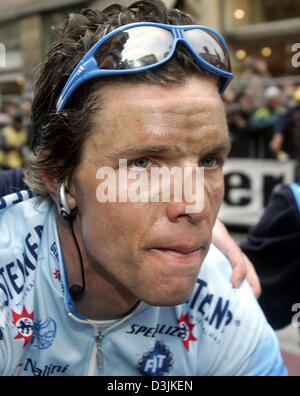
(51,184)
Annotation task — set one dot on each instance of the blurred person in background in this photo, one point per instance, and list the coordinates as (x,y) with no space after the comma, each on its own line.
(25,109)
(239,110)
(263,121)
(287,132)
(288,90)
(255,72)
(6,113)
(13,139)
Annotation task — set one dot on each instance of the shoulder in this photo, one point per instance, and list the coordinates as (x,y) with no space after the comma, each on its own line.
(21,217)
(296,194)
(21,229)
(17,202)
(281,216)
(284,192)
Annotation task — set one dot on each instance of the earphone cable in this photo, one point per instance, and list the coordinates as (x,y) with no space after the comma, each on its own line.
(79,253)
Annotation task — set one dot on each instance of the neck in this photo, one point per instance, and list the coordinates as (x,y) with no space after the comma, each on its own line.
(104,297)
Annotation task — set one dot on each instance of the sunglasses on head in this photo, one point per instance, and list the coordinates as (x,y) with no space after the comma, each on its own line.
(139,47)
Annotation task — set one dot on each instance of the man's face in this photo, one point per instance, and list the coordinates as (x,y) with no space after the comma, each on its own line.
(153,250)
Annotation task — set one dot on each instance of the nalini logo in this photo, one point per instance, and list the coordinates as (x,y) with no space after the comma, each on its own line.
(158,361)
(50,370)
(2,55)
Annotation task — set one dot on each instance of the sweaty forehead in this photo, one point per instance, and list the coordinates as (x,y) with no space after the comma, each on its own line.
(195,102)
(174,114)
(192,87)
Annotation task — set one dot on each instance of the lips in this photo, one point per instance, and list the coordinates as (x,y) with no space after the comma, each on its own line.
(183,249)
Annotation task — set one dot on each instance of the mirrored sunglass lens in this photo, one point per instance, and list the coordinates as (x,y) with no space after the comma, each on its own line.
(135,48)
(209,47)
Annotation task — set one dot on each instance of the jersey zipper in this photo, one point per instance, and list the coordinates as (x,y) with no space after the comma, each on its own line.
(99,353)
(97,358)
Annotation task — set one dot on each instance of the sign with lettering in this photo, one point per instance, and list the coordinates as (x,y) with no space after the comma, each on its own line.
(248,186)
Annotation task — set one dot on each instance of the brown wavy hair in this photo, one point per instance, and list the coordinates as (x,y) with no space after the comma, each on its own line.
(58,138)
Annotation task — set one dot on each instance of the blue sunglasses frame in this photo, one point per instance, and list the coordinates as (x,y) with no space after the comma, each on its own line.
(88,67)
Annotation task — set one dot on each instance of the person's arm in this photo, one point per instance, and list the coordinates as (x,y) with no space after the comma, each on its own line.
(273,246)
(281,126)
(242,266)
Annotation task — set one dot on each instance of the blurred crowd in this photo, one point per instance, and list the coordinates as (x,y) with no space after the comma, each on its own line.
(15,134)
(264,120)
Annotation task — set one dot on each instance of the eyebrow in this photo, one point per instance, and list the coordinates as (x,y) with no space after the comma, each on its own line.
(137,150)
(140,150)
(224,146)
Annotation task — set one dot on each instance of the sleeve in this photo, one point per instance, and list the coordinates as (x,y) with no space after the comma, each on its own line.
(11,182)
(255,350)
(273,247)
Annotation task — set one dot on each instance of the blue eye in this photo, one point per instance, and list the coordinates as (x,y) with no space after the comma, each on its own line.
(209,162)
(141,162)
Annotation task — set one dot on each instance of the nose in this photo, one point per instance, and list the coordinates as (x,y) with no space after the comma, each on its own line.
(189,199)
(177,211)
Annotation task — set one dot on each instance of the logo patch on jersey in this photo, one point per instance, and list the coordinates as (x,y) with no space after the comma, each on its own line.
(54,252)
(187,327)
(24,324)
(57,275)
(158,361)
(51,369)
(44,334)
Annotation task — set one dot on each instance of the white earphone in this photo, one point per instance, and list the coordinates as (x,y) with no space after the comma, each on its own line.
(61,202)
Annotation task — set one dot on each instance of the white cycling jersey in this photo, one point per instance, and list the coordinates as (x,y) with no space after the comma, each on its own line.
(218,331)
